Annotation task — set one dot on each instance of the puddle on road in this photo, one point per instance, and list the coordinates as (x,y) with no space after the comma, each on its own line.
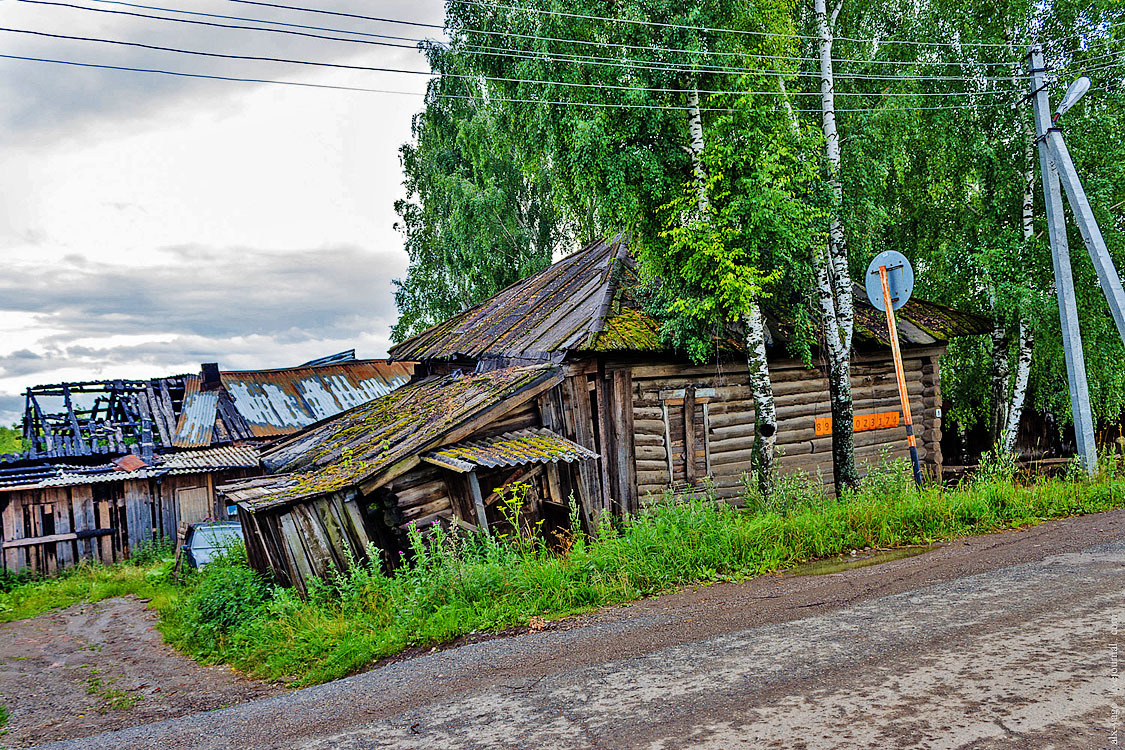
(842,563)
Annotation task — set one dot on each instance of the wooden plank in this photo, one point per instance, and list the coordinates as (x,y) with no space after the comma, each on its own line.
(316,539)
(626,469)
(295,548)
(82,501)
(13,529)
(689,435)
(65,551)
(668,441)
(151,406)
(707,438)
(478,502)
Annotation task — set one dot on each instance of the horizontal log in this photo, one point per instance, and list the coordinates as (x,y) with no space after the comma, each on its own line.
(640,439)
(730,457)
(651,453)
(648,426)
(742,430)
(652,413)
(427,509)
(645,478)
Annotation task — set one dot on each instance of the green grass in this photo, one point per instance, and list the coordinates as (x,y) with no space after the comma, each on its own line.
(3,715)
(460,585)
(89,583)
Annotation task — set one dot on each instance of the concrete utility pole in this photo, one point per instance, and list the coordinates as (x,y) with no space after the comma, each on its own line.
(1060,257)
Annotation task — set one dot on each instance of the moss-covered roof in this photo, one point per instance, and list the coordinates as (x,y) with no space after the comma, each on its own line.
(531,446)
(360,444)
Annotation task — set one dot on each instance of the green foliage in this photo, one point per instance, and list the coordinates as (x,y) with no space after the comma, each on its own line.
(151,551)
(226,592)
(85,582)
(11,439)
(4,715)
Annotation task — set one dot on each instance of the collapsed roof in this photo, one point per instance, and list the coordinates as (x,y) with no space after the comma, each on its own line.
(115,417)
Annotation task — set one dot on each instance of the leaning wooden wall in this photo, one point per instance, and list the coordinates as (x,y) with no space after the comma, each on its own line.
(307,539)
(693,423)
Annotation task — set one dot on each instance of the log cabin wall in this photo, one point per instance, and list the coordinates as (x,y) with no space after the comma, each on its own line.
(49,529)
(690,423)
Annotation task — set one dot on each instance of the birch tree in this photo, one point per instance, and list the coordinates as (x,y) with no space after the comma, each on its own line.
(748,310)
(833,281)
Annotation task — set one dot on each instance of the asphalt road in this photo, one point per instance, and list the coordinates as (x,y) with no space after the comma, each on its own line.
(1008,640)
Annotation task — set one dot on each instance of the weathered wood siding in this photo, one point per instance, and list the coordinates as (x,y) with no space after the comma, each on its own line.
(690,423)
(54,528)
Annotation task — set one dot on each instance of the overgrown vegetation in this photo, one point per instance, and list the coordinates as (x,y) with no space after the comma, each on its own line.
(457,584)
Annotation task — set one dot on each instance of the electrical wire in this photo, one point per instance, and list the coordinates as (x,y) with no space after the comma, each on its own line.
(215,24)
(496,52)
(685,27)
(607,105)
(341,14)
(201,14)
(522,81)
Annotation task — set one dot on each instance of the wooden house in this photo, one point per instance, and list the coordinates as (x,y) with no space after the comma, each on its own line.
(561,381)
(120,462)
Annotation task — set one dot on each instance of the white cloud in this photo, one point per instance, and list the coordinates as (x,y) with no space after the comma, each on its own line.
(149,223)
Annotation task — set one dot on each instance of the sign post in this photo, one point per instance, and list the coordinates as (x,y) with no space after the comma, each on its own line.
(894,273)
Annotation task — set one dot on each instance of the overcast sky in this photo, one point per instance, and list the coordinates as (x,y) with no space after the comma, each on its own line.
(149,223)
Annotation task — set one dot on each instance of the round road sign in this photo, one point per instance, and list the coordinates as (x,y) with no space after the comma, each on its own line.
(900,279)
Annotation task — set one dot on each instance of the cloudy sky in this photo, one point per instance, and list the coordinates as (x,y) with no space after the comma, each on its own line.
(149,223)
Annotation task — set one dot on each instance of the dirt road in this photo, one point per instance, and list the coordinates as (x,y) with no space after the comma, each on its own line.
(92,668)
(1008,640)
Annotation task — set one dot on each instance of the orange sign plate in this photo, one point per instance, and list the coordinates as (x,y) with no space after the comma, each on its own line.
(861,422)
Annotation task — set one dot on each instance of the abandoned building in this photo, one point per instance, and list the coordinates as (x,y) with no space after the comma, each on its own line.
(111,464)
(561,382)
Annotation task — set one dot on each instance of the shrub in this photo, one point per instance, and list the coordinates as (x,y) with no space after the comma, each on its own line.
(226,592)
(153,550)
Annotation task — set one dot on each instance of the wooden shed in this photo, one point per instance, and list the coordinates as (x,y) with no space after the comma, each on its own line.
(591,371)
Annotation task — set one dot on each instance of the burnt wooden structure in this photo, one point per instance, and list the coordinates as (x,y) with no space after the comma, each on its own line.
(569,353)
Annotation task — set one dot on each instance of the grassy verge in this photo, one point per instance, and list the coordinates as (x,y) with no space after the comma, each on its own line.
(144,576)
(459,585)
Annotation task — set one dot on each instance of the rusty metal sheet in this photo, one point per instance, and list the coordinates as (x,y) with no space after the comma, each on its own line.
(530,446)
(197,415)
(280,402)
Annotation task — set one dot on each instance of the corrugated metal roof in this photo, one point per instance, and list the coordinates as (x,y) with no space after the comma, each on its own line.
(531,446)
(280,402)
(197,415)
(223,457)
(358,445)
(186,462)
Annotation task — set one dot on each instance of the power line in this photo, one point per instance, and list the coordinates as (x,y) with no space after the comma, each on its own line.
(658,24)
(252,20)
(341,14)
(606,105)
(651,65)
(376,69)
(217,25)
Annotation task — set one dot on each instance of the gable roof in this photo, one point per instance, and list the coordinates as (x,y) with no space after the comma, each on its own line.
(585,302)
(374,442)
(574,304)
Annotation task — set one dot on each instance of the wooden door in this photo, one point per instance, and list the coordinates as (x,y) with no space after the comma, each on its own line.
(194,504)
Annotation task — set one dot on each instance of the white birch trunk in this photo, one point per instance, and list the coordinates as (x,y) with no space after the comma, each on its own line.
(765,415)
(695,148)
(761,388)
(834,283)
(1026,340)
